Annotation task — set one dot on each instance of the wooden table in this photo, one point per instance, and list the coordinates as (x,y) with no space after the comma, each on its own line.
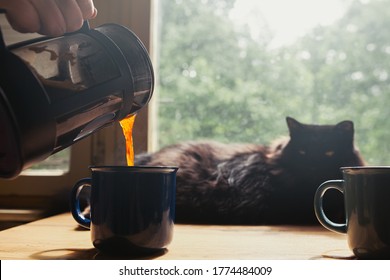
(59,237)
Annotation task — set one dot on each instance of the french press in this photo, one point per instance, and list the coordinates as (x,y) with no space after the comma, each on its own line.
(56,91)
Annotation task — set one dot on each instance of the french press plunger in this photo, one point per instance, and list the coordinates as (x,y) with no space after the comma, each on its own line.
(56,91)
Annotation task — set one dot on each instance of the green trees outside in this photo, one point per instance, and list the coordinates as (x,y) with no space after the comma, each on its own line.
(217,81)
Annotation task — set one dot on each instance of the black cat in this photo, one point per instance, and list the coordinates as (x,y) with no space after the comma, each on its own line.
(255,184)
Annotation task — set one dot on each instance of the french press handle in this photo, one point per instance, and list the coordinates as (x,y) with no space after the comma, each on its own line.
(84,28)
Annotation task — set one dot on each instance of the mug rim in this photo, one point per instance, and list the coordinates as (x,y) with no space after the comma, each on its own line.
(137,168)
(365,169)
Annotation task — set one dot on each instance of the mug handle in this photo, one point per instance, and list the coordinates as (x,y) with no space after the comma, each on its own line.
(75,202)
(318,206)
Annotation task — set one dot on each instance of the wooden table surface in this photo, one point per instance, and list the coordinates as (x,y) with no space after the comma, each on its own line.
(59,237)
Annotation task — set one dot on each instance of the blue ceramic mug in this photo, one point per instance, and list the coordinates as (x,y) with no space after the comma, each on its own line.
(366,191)
(132,208)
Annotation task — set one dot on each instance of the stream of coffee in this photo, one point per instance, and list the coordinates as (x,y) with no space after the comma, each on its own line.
(127,127)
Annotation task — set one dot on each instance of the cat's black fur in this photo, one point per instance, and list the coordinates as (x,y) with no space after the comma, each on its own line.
(255,184)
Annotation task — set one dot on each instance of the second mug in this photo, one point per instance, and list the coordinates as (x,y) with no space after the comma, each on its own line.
(366,193)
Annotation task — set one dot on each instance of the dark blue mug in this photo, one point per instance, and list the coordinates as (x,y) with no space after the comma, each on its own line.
(132,208)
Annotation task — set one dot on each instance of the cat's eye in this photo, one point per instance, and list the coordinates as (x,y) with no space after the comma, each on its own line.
(302,152)
(329,153)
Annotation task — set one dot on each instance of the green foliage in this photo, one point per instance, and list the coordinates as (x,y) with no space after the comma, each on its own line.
(217,81)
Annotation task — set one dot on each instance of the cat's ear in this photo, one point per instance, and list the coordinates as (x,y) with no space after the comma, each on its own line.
(293,124)
(346,126)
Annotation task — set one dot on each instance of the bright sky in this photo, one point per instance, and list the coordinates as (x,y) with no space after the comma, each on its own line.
(289,19)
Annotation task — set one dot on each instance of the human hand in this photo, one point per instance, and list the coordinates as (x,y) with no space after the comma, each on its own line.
(48,17)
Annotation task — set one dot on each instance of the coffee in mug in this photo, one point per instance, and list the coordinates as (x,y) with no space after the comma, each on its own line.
(132,207)
(366,193)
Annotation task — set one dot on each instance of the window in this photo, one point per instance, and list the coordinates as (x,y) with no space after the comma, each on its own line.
(232,70)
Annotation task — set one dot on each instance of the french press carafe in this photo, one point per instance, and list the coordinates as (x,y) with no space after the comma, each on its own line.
(56,91)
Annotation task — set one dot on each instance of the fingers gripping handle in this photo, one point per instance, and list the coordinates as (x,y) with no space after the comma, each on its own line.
(318,206)
(75,202)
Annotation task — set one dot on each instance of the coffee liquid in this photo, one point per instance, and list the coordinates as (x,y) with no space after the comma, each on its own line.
(127,127)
